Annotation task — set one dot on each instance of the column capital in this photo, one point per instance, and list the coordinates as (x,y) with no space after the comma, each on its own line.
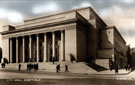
(45,33)
(53,32)
(30,35)
(23,36)
(62,30)
(37,34)
(16,37)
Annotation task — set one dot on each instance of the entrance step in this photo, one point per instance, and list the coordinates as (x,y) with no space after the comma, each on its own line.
(103,62)
(78,67)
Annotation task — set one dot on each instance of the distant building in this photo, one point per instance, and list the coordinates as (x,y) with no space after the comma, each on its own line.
(132,57)
(0,54)
(79,35)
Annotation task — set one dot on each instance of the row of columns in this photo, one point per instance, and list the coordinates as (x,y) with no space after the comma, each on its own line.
(37,41)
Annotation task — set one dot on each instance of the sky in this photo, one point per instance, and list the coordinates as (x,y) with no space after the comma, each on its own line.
(120,13)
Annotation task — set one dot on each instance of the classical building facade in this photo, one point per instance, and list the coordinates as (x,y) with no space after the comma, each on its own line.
(78,35)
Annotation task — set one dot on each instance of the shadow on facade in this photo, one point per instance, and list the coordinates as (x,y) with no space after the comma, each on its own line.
(0,54)
(72,57)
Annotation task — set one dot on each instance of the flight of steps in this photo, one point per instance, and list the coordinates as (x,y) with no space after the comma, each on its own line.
(79,67)
(103,62)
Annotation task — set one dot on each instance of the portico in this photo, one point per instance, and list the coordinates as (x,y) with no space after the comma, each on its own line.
(39,47)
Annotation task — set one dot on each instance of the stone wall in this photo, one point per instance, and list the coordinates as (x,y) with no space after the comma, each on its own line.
(5,48)
(70,43)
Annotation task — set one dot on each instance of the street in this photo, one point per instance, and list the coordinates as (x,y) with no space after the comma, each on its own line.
(68,81)
(12,77)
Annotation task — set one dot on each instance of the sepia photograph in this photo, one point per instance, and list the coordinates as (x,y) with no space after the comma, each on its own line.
(67,42)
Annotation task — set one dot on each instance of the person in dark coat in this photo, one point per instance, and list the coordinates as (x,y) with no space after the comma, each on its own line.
(36,66)
(66,68)
(27,67)
(19,67)
(116,69)
(126,67)
(57,68)
(30,66)
(53,60)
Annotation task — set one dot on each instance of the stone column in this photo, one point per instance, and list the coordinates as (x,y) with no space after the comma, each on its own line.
(53,44)
(11,50)
(37,47)
(23,42)
(45,47)
(30,41)
(17,50)
(62,58)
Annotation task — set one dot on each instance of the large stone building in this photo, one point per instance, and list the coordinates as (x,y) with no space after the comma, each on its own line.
(79,35)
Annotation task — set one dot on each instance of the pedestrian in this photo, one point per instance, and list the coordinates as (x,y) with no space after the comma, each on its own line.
(116,69)
(19,67)
(110,67)
(126,67)
(34,66)
(66,68)
(57,68)
(53,60)
(30,66)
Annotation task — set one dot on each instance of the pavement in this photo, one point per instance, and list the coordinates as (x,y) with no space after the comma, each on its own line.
(48,70)
(14,73)
(43,77)
(79,74)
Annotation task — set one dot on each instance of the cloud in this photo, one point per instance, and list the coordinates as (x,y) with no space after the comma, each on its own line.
(11,16)
(15,17)
(86,4)
(130,40)
(82,5)
(45,8)
(110,11)
(123,19)
(2,13)
(127,1)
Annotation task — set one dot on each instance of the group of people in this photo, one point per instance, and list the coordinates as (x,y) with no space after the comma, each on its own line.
(58,68)
(127,67)
(35,67)
(32,66)
(29,67)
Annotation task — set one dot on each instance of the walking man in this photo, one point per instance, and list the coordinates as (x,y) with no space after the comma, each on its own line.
(66,68)
(53,60)
(57,68)
(116,69)
(19,67)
